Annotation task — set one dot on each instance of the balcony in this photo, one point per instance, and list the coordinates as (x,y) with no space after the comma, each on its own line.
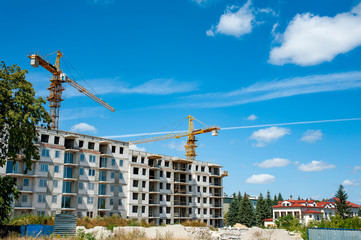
(151,214)
(216,205)
(216,194)
(178,168)
(181,181)
(180,203)
(28,190)
(180,191)
(181,215)
(153,202)
(215,184)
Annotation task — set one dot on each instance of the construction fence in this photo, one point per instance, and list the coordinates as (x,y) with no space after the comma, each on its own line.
(333,234)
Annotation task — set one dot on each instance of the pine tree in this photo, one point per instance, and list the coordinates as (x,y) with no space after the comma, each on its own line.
(342,207)
(275,201)
(262,210)
(280,198)
(269,205)
(233,211)
(246,214)
(239,196)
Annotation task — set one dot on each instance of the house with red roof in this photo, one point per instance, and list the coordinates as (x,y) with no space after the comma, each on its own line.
(309,210)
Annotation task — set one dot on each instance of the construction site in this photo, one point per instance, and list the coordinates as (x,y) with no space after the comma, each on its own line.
(192,119)
(90,176)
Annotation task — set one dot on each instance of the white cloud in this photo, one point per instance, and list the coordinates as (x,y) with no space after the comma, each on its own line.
(178,146)
(310,39)
(201,2)
(274,162)
(102,2)
(159,86)
(252,117)
(348,182)
(311,136)
(263,91)
(83,127)
(267,135)
(261,179)
(356,168)
(235,23)
(135,147)
(210,32)
(315,166)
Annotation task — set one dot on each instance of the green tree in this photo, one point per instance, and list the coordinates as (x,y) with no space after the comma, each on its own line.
(7,193)
(262,210)
(20,113)
(280,198)
(246,214)
(359,212)
(275,201)
(269,205)
(342,206)
(233,211)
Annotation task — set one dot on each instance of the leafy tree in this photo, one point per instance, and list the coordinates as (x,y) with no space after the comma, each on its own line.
(246,214)
(359,212)
(342,206)
(7,193)
(20,113)
(262,210)
(269,205)
(233,212)
(280,198)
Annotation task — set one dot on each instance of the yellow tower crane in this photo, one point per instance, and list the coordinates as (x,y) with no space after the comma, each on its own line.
(56,88)
(190,146)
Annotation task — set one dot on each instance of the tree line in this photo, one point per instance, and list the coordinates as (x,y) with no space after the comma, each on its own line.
(241,210)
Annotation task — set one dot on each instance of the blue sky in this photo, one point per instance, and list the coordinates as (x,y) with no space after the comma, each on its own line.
(228,63)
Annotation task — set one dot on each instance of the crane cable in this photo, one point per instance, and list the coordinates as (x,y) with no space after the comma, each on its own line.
(80,77)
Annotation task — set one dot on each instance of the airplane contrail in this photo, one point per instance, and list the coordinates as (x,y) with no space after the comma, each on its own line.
(242,127)
(293,123)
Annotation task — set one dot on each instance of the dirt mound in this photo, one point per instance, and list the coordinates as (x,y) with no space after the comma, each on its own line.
(238,225)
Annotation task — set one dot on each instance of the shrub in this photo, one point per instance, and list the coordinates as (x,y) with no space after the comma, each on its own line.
(197,223)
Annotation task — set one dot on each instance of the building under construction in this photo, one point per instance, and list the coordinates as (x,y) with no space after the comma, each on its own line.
(91,176)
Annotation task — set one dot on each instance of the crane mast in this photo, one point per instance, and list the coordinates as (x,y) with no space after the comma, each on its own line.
(56,86)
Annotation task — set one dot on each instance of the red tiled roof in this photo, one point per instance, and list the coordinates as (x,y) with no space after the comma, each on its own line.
(268,220)
(311,211)
(351,204)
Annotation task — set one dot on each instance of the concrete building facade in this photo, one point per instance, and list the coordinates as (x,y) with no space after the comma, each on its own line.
(91,176)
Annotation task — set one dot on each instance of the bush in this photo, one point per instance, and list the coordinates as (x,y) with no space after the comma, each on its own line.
(31,219)
(197,223)
(292,224)
(81,235)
